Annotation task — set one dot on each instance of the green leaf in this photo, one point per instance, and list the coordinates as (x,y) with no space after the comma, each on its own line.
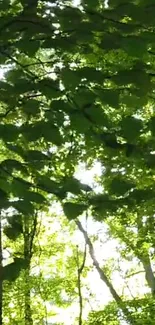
(84,98)
(71,13)
(3,198)
(15,148)
(11,271)
(5,87)
(9,132)
(31,107)
(34,197)
(120,187)
(102,203)
(11,164)
(96,114)
(36,155)
(83,38)
(134,46)
(131,128)
(13,232)
(23,206)
(142,195)
(23,85)
(133,101)
(70,78)
(73,210)
(152,125)
(4,5)
(91,74)
(48,185)
(111,41)
(79,122)
(59,43)
(69,17)
(60,105)
(74,186)
(19,187)
(138,77)
(91,4)
(5,185)
(52,134)
(30,47)
(45,130)
(15,218)
(118,3)
(14,74)
(150,160)
(49,88)
(109,96)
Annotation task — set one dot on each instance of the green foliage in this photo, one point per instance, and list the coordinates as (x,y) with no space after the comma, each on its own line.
(31,107)
(74,186)
(12,270)
(11,165)
(73,210)
(131,128)
(78,86)
(9,132)
(120,187)
(14,228)
(109,315)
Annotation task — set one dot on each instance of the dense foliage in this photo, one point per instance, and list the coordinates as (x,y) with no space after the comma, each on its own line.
(77,86)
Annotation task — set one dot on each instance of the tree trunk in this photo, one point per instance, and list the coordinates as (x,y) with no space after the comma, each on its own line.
(28,311)
(80,269)
(104,278)
(149,275)
(27,256)
(29,235)
(144,255)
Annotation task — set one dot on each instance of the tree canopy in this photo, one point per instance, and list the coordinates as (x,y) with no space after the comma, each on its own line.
(77,87)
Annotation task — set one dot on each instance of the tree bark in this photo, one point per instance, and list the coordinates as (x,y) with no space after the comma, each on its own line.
(28,312)
(30,227)
(144,255)
(80,269)
(104,278)
(149,275)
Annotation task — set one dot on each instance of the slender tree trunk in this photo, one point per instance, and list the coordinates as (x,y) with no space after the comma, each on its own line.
(104,278)
(27,257)
(80,269)
(80,299)
(144,255)
(29,234)
(28,312)
(149,275)
(1,274)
